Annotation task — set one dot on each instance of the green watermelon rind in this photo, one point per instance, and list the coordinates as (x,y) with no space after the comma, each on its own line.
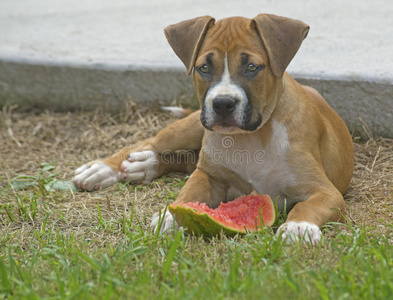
(203,224)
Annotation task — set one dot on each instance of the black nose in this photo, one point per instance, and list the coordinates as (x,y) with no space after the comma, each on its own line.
(223,106)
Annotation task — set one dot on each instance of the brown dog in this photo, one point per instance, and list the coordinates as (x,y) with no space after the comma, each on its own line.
(258,129)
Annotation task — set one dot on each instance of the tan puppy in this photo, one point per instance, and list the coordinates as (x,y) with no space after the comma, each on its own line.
(258,128)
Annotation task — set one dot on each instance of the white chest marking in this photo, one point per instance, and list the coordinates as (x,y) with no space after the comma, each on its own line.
(265,168)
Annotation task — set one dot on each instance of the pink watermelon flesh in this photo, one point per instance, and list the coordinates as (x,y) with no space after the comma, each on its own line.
(237,216)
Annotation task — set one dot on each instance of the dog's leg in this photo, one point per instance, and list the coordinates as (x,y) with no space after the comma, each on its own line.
(323,203)
(148,159)
(200,187)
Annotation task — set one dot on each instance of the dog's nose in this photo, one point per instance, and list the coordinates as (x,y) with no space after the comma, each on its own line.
(223,106)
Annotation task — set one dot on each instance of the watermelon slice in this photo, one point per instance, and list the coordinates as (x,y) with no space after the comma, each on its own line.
(235,217)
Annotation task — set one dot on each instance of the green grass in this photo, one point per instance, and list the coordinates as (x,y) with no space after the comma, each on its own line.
(43,255)
(144,266)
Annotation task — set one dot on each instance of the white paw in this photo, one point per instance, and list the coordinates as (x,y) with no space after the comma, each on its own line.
(95,177)
(307,233)
(166,220)
(140,167)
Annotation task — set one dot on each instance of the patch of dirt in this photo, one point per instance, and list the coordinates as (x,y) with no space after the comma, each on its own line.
(69,140)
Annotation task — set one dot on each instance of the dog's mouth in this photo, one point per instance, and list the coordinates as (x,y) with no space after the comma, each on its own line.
(230,124)
(226,129)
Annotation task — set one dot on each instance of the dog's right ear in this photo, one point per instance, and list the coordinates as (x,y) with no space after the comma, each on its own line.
(186,38)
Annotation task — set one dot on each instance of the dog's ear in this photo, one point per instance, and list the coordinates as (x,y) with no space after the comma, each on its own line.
(186,38)
(281,37)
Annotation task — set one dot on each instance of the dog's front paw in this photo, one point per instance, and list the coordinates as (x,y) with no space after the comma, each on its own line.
(165,220)
(95,176)
(304,232)
(140,167)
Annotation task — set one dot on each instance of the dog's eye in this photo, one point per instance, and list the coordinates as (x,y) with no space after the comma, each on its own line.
(252,68)
(204,69)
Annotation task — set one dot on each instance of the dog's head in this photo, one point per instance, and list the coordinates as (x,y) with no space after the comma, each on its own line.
(238,66)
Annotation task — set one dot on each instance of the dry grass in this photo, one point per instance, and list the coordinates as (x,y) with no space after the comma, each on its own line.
(370,196)
(70,139)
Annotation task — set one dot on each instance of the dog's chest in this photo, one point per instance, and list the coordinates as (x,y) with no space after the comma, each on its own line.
(265,168)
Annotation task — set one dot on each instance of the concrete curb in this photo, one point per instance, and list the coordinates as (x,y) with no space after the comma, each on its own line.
(365,106)
(68,87)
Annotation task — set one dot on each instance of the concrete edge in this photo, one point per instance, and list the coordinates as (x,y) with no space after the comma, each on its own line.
(169,67)
(76,87)
(65,86)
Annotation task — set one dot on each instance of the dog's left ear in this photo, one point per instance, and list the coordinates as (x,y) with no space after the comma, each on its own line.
(186,38)
(281,37)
